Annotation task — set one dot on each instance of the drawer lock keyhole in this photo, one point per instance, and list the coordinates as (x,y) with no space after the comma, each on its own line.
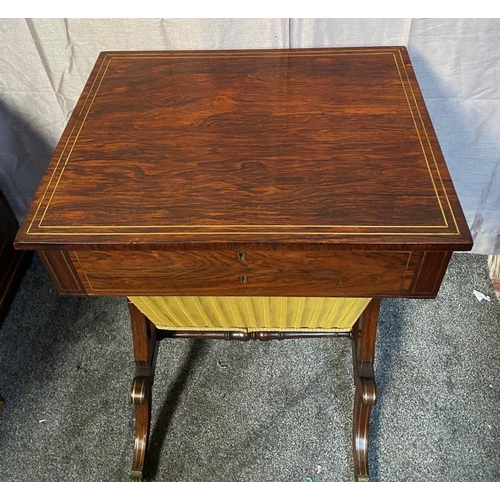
(241,256)
(244,280)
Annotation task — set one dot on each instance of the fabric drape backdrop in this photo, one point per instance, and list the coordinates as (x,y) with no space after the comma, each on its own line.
(44,64)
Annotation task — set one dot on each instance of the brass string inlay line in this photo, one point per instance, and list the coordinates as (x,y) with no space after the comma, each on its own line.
(430,146)
(74,142)
(64,149)
(420,140)
(173,233)
(70,268)
(82,270)
(53,273)
(226,229)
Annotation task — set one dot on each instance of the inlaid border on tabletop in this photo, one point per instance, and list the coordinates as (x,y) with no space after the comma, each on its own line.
(452,226)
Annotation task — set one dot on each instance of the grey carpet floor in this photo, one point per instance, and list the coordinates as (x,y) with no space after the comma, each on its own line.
(274,411)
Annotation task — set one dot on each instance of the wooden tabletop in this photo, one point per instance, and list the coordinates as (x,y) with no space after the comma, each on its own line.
(274,146)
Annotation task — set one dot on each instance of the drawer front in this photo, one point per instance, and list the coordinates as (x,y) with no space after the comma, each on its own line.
(247,273)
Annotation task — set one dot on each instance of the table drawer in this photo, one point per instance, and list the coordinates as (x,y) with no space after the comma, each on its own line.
(255,272)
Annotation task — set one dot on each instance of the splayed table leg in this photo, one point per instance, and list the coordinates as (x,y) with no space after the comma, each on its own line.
(363,350)
(145,351)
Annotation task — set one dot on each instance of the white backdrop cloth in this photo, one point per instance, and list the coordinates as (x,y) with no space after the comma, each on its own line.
(44,64)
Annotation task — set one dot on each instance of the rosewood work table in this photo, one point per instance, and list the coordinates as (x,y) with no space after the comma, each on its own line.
(249,194)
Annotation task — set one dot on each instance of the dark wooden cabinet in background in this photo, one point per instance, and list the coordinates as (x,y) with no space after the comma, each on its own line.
(13,262)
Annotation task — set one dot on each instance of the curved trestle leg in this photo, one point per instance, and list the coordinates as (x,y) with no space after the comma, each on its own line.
(145,350)
(141,398)
(363,350)
(364,399)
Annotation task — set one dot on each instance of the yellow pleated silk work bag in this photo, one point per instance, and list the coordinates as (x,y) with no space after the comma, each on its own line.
(249,314)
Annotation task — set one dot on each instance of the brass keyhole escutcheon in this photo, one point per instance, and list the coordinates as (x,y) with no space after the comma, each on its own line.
(244,280)
(241,256)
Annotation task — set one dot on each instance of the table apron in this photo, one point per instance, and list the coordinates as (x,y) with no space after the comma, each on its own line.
(319,273)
